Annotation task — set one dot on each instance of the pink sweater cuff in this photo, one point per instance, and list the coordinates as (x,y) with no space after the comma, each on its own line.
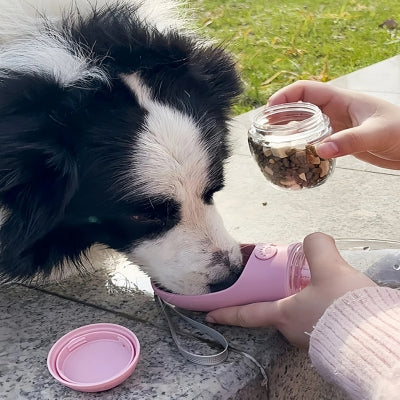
(356,343)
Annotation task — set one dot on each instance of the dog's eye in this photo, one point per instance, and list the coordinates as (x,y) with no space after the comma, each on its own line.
(208,194)
(144,218)
(157,211)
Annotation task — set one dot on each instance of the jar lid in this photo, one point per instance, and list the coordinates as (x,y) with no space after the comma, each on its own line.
(94,357)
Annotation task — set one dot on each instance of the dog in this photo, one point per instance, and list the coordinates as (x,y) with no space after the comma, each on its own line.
(114,126)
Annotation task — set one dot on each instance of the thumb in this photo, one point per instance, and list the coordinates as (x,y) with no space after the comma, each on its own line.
(322,256)
(360,139)
(249,316)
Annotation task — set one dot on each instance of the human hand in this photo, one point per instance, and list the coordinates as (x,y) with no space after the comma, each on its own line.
(365,126)
(331,278)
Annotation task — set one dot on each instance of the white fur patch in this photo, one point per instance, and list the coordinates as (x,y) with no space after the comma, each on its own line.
(49,56)
(169,153)
(25,47)
(141,91)
(171,161)
(20,18)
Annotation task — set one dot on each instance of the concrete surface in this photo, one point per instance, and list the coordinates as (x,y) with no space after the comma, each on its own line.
(357,201)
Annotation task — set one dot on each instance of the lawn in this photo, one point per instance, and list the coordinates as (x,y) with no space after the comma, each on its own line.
(278,42)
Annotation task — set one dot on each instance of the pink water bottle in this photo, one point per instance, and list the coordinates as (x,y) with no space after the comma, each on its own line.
(271,272)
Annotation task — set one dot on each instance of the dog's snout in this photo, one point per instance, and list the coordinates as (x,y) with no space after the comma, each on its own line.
(233,267)
(220,258)
(225,283)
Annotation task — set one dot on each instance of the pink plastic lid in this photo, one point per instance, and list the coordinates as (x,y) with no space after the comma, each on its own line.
(94,357)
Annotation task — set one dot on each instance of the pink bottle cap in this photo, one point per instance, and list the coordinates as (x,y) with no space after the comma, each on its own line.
(94,357)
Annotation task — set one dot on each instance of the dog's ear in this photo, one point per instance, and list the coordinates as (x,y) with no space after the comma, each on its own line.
(216,69)
(38,168)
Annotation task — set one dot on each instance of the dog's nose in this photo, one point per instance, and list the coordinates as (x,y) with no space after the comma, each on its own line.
(246,250)
(224,284)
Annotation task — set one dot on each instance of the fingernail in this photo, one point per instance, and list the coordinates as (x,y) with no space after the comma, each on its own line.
(327,149)
(210,319)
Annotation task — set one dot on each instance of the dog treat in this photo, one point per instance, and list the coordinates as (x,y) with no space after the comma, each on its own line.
(291,167)
(282,140)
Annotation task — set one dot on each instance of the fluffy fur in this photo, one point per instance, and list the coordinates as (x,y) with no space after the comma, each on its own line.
(113,130)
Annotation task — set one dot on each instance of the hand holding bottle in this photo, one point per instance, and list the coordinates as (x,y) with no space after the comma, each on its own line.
(294,316)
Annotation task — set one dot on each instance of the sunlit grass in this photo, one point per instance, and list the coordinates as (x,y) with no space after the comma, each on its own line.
(278,42)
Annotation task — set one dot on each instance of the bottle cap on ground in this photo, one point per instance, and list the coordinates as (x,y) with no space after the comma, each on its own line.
(94,357)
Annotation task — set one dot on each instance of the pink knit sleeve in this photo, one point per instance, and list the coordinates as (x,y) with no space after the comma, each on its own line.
(356,343)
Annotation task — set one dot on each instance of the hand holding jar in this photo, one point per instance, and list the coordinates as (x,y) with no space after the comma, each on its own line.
(364,126)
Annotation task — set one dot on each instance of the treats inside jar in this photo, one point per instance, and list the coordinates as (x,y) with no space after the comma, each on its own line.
(282,139)
(291,167)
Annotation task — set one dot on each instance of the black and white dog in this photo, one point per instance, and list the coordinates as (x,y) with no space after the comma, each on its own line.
(113,130)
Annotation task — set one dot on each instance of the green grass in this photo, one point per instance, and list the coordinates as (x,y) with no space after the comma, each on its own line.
(278,42)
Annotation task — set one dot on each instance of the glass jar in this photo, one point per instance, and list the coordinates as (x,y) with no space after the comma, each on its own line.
(282,139)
